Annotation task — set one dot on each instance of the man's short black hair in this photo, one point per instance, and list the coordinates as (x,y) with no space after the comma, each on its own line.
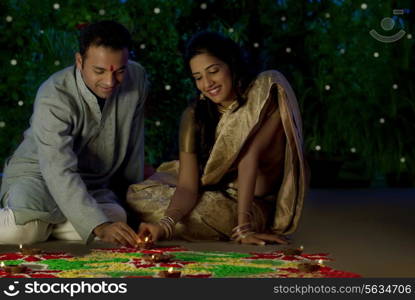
(104,33)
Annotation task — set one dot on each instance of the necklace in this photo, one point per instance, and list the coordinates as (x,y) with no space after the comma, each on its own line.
(224,109)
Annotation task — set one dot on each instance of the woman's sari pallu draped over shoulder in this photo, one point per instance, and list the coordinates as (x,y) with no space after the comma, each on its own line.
(215,213)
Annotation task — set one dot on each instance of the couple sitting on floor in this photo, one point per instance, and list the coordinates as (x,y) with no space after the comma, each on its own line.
(241,173)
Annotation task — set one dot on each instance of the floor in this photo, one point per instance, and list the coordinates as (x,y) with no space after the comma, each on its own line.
(370,232)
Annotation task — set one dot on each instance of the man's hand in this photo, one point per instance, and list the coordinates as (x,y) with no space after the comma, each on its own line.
(116,233)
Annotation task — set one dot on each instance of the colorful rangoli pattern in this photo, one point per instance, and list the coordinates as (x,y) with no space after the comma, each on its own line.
(128,263)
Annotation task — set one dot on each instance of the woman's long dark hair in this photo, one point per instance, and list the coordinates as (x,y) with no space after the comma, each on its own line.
(242,72)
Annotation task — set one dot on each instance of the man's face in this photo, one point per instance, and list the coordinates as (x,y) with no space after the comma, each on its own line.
(102,69)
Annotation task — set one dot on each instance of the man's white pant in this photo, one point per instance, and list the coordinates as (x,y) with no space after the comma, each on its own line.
(39,231)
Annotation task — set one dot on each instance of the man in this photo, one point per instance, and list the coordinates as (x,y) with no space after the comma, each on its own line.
(86,133)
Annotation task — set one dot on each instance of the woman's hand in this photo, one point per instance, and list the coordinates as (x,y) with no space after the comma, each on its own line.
(153,231)
(263,238)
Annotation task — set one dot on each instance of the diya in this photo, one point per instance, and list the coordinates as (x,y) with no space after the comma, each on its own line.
(170,273)
(13,269)
(291,251)
(29,251)
(157,257)
(146,244)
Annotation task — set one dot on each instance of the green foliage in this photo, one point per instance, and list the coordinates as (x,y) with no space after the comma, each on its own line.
(329,42)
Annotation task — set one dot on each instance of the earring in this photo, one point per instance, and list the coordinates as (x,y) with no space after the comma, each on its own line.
(202,97)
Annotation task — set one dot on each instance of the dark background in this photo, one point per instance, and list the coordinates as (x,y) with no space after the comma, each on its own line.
(356,93)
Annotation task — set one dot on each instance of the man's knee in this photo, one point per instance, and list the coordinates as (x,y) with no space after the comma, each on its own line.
(29,193)
(29,233)
(20,235)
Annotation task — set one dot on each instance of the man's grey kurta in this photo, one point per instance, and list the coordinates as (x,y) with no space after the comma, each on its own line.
(72,151)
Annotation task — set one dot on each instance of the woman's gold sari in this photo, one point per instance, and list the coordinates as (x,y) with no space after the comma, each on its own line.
(215,213)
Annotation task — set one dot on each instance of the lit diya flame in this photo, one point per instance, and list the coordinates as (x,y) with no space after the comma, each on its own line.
(13,269)
(320,262)
(29,251)
(301,247)
(157,257)
(146,244)
(170,273)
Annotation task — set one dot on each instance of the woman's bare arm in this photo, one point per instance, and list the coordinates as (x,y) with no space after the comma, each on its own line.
(248,165)
(185,196)
(183,199)
(248,168)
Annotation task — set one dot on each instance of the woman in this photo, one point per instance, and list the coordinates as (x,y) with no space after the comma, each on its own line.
(241,173)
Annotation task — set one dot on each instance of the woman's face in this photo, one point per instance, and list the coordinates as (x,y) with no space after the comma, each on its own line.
(213,78)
